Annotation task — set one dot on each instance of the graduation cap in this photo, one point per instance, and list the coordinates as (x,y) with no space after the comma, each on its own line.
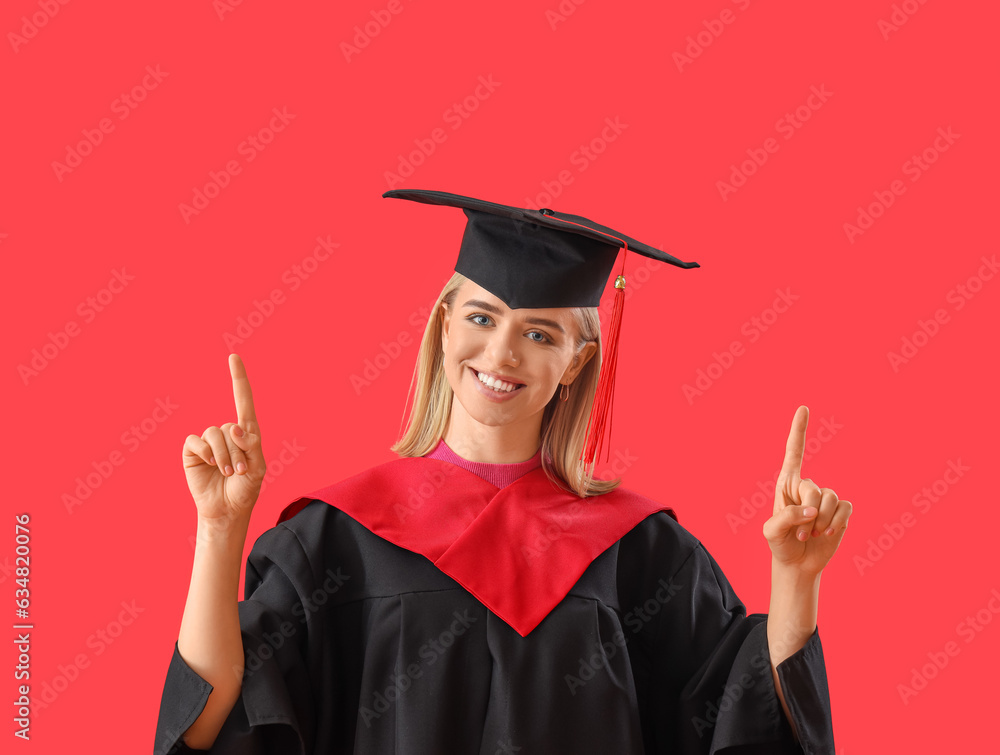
(541,259)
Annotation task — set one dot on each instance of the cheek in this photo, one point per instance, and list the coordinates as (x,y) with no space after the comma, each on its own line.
(561,364)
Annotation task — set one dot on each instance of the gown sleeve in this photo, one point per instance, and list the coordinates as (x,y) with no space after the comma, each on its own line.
(711,672)
(275,710)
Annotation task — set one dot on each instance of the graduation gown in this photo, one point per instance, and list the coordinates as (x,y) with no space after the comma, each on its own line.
(417,609)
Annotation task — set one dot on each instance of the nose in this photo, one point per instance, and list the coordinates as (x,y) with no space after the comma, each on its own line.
(503,346)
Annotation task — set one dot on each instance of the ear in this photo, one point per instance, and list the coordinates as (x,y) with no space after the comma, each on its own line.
(582,357)
(445,315)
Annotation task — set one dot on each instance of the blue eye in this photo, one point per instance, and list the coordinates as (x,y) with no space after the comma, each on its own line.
(544,338)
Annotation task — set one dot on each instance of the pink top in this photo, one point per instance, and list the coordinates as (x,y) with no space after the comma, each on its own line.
(499,475)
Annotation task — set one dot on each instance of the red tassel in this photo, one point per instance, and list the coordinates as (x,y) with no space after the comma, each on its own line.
(600,423)
(601,413)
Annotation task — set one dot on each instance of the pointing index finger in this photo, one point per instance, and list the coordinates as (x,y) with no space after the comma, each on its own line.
(241,391)
(792,465)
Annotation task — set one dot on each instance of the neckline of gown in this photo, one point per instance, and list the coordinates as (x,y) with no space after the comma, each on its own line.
(500,474)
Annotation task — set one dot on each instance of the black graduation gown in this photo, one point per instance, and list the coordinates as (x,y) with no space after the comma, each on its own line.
(354,644)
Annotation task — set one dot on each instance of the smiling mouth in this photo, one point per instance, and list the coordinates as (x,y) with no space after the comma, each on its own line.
(497,386)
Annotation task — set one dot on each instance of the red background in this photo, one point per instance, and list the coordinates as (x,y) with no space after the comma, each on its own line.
(63,236)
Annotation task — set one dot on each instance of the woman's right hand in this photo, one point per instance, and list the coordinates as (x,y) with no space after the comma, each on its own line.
(225,466)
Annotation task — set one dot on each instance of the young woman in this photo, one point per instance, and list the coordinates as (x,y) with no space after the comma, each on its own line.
(483,592)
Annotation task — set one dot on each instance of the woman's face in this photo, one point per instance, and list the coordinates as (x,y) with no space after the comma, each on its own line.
(535,349)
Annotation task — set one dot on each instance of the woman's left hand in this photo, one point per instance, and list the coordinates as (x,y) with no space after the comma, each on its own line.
(808,522)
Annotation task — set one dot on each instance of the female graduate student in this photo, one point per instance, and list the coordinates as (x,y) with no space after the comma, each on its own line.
(484,593)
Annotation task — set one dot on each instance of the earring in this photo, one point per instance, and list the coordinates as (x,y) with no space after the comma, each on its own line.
(564,392)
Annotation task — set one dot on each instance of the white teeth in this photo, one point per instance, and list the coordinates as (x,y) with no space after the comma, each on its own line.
(497,385)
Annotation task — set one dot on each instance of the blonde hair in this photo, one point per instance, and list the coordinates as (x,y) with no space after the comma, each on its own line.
(564,423)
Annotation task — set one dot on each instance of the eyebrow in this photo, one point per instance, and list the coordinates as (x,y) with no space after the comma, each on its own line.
(478,304)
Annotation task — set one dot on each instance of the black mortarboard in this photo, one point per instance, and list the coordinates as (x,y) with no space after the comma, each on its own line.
(540,259)
(536,258)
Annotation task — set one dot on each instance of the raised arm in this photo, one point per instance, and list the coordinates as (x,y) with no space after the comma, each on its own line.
(804,532)
(224,469)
